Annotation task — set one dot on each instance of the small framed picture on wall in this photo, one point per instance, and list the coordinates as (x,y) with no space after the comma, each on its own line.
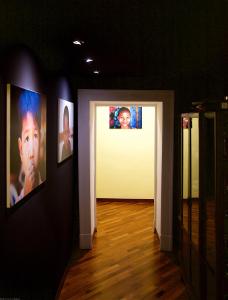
(65,129)
(125,117)
(26,142)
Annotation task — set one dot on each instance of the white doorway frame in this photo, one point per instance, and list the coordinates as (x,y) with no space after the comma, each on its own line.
(164,104)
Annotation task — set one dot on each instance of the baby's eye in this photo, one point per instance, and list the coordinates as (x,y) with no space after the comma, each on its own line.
(36,135)
(27,139)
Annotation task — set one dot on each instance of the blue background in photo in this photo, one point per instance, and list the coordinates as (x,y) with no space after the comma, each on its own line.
(134,123)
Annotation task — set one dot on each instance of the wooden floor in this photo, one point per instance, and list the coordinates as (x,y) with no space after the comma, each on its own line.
(125,263)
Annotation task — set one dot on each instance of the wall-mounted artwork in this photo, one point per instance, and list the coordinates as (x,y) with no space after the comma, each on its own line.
(26,142)
(66,129)
(125,117)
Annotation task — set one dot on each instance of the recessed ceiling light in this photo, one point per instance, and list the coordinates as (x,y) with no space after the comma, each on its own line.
(78,42)
(88,60)
(96,72)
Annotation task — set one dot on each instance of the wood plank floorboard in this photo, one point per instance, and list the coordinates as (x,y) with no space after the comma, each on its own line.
(125,262)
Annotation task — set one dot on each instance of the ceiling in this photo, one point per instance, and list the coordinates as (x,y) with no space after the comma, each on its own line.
(125,37)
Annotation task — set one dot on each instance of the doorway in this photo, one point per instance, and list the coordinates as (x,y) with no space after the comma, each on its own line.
(125,162)
(164,103)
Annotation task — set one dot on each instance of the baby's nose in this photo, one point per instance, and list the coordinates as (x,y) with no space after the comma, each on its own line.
(31,149)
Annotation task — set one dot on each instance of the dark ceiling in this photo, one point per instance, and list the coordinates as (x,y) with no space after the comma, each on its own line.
(125,37)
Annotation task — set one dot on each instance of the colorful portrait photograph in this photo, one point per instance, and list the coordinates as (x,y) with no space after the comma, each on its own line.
(125,117)
(26,142)
(66,129)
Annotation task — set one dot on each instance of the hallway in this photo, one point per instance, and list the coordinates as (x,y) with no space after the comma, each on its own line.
(125,263)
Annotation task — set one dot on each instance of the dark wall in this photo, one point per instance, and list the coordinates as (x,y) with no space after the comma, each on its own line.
(36,236)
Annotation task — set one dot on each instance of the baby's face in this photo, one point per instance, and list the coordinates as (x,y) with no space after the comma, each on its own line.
(124,119)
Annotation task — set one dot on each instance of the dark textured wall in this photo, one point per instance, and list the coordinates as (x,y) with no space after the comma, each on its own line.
(36,236)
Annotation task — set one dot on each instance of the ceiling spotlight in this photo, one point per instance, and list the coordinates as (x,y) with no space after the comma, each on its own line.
(88,60)
(96,72)
(78,42)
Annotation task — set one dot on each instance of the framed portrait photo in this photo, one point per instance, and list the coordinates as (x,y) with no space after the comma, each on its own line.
(125,117)
(65,129)
(26,142)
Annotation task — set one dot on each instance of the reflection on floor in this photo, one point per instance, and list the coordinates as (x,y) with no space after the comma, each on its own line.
(125,262)
(208,228)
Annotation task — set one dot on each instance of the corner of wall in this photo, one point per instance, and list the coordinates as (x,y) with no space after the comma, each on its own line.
(166,242)
(86,241)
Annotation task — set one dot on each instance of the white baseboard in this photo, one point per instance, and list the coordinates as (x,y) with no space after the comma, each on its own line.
(86,241)
(166,242)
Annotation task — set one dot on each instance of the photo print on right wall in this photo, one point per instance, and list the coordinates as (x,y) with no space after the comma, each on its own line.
(65,129)
(125,117)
